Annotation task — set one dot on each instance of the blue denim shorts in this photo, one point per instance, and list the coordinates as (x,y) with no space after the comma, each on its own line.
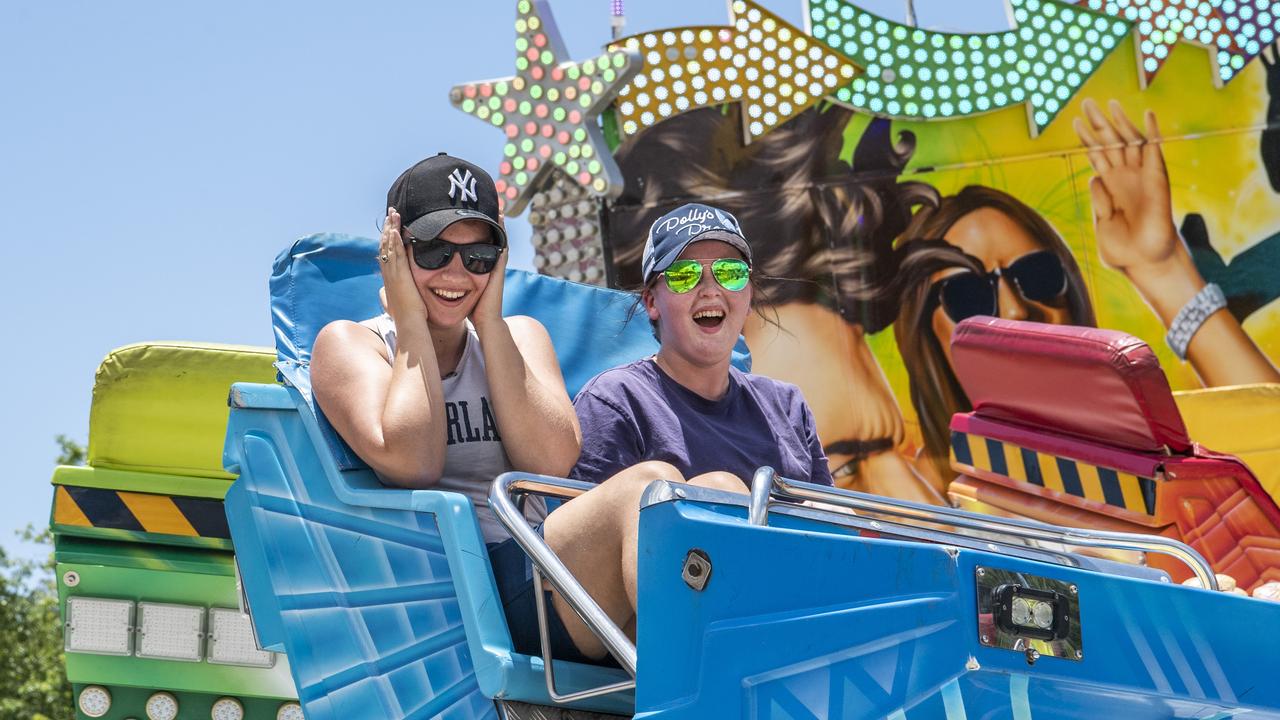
(514,573)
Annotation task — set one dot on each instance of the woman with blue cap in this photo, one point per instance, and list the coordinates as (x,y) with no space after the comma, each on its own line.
(683,413)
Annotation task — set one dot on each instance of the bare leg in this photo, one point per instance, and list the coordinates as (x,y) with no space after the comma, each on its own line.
(721,480)
(596,536)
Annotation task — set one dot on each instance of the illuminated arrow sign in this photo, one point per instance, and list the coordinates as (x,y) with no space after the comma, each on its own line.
(770,66)
(1158,24)
(921,74)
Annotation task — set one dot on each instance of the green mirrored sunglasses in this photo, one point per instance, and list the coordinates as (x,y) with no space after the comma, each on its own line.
(731,273)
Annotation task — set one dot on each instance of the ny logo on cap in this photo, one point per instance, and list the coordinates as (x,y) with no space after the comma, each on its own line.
(464,184)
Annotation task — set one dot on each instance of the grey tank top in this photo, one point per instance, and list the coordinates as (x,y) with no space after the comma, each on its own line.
(474,454)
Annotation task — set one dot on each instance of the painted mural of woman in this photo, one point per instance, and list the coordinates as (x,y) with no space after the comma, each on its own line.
(978,252)
(824,255)
(984,252)
(848,248)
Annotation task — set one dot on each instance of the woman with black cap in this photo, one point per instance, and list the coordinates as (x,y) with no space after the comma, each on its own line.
(441,391)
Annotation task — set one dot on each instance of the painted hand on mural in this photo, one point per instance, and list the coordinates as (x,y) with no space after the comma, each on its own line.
(1132,211)
(1133,222)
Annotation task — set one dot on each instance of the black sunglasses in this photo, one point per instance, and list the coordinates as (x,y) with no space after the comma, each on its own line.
(477,258)
(1038,277)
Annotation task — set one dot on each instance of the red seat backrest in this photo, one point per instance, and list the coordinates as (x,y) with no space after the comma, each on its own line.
(1099,385)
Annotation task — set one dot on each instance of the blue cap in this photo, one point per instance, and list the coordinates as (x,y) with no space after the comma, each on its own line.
(672,233)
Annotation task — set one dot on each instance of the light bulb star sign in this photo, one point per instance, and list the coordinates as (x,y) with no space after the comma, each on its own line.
(1253,24)
(549,111)
(774,69)
(1159,24)
(924,74)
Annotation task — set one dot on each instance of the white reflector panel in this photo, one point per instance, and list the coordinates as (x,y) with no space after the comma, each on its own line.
(170,632)
(99,625)
(231,640)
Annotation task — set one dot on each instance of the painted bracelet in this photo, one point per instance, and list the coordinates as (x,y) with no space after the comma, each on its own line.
(1192,315)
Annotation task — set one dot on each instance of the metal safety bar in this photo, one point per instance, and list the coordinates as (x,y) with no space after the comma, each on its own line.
(768,487)
(547,565)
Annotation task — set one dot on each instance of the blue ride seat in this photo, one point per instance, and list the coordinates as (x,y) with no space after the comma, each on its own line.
(384,599)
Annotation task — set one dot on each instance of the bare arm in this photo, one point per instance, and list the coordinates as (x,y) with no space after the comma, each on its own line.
(1134,226)
(392,415)
(535,416)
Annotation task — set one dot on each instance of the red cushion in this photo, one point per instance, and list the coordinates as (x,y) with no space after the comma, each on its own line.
(1099,385)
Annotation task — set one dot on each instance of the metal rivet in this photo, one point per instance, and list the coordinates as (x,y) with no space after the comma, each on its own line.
(71,578)
(697,569)
(986,639)
(1032,656)
(1079,654)
(982,572)
(1074,589)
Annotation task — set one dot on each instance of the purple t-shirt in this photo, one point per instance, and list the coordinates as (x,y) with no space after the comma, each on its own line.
(636,412)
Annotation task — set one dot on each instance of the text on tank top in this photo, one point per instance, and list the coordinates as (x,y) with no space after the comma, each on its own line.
(474,454)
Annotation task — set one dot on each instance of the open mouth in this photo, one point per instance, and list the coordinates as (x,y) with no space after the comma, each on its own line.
(710,319)
(449,297)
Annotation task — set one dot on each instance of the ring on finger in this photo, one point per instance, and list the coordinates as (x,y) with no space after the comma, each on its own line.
(384,257)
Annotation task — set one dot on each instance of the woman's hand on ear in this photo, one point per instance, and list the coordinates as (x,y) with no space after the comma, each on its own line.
(399,295)
(488,309)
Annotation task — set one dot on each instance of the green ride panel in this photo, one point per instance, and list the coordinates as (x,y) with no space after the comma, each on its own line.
(161,584)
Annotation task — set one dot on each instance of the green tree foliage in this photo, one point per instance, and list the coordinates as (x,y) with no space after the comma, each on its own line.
(33,674)
(70,452)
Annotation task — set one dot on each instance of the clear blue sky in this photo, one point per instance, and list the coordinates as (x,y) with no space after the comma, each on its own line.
(155,156)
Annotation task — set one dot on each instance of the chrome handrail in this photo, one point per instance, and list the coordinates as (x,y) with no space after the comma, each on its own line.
(548,566)
(761,487)
(768,487)
(548,667)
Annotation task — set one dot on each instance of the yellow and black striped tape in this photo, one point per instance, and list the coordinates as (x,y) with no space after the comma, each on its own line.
(140,512)
(1118,489)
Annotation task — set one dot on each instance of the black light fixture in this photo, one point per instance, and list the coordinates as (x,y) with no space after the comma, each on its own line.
(1036,614)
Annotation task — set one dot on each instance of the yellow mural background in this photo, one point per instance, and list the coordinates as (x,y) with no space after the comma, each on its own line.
(1211,147)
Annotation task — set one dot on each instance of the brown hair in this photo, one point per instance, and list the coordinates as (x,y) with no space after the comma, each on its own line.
(819,233)
(936,393)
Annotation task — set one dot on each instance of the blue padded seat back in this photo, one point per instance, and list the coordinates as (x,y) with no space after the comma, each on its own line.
(329,276)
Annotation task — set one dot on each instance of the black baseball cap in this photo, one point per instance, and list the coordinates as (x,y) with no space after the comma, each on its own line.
(441,191)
